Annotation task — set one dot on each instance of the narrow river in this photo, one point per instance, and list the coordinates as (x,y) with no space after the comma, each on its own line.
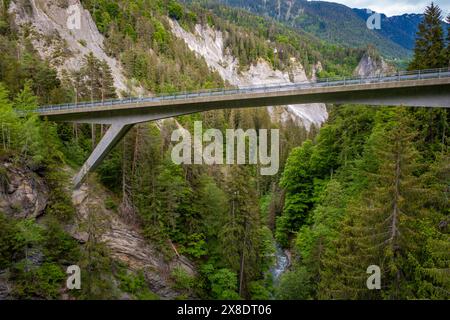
(282,263)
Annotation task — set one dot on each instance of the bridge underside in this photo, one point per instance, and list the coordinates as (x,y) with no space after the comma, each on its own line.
(123,118)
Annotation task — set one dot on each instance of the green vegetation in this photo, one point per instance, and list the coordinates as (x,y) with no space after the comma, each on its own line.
(138,35)
(202,213)
(11,248)
(448,40)
(183,281)
(353,207)
(430,52)
(369,188)
(136,285)
(43,282)
(35,255)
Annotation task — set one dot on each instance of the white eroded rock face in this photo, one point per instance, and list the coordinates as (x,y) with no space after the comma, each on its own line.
(372,67)
(209,44)
(63,47)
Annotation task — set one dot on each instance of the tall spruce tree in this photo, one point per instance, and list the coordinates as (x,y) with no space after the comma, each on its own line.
(429,51)
(107,88)
(240,242)
(297,180)
(448,40)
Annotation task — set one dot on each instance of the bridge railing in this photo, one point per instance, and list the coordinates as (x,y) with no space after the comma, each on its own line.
(276,87)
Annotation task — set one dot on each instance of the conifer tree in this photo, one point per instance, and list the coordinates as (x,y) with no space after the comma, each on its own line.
(380,228)
(95,259)
(430,44)
(239,235)
(433,281)
(448,40)
(107,88)
(92,76)
(9,121)
(297,180)
(26,101)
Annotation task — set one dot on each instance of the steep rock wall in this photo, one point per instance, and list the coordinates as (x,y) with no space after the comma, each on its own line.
(23,194)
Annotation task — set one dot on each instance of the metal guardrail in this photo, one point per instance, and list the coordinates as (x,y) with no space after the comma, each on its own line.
(319,83)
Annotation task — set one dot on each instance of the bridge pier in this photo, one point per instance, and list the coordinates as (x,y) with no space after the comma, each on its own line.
(114,134)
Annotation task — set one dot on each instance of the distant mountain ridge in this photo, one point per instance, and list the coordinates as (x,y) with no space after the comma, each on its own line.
(400,29)
(337,23)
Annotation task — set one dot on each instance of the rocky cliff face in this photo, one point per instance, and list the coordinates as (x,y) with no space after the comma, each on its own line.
(209,44)
(64,47)
(372,66)
(23,194)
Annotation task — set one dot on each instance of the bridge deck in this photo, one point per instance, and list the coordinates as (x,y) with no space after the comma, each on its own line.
(420,88)
(324,90)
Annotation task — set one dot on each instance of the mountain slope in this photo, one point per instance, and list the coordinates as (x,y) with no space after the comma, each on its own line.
(332,22)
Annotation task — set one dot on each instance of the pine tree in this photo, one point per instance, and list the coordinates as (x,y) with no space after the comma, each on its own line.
(448,40)
(96,258)
(107,88)
(30,140)
(297,180)
(92,77)
(98,82)
(430,44)
(26,101)
(10,124)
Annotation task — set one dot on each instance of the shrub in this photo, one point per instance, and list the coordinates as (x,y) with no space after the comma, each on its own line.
(110,204)
(44,282)
(182,280)
(224,284)
(175,10)
(295,285)
(11,246)
(196,246)
(136,285)
(59,247)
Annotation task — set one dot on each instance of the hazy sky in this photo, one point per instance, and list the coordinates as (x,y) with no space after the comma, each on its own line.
(395,7)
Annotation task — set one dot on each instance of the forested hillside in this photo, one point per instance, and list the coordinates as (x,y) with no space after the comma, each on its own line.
(375,196)
(333,22)
(199,212)
(372,189)
(369,187)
